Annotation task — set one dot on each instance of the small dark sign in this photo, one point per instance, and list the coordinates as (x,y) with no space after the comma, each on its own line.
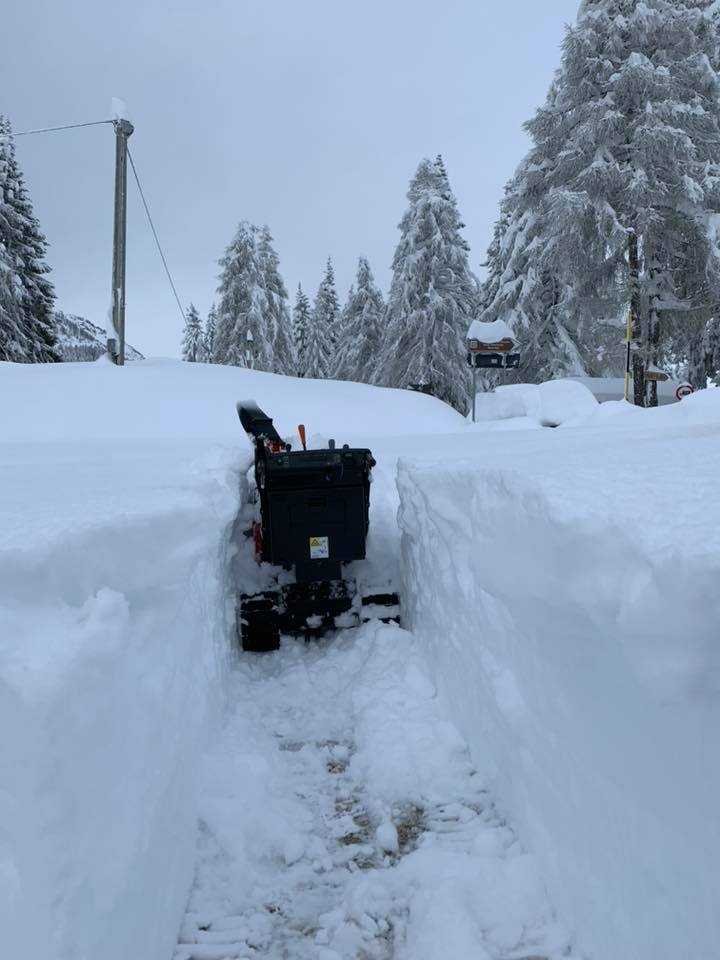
(494,361)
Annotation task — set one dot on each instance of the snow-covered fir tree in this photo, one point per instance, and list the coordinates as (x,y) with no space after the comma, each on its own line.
(363,316)
(301,323)
(323,329)
(433,296)
(245,331)
(27,321)
(615,202)
(522,290)
(340,342)
(209,334)
(14,344)
(283,348)
(193,343)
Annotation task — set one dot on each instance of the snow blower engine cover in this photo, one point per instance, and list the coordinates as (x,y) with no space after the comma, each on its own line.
(314,504)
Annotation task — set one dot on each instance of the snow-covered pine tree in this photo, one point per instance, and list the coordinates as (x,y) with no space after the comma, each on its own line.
(14,344)
(193,343)
(622,185)
(27,320)
(522,290)
(359,348)
(283,348)
(209,334)
(245,331)
(433,295)
(343,322)
(322,330)
(301,323)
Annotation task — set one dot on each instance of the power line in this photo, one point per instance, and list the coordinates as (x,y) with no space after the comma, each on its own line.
(154,232)
(69,126)
(96,123)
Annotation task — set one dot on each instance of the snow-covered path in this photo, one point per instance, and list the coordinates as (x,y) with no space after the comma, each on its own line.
(341,818)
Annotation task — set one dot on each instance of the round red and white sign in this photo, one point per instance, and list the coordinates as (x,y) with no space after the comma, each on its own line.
(684,390)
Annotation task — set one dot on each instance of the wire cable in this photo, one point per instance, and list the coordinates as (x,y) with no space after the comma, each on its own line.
(68,126)
(154,232)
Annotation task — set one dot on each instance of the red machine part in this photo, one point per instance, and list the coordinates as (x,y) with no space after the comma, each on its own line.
(257,540)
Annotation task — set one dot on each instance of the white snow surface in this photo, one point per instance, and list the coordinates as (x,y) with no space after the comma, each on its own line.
(563,585)
(341,817)
(548,404)
(530,773)
(492,331)
(118,488)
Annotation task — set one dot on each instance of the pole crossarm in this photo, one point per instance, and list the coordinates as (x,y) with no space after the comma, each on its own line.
(67,126)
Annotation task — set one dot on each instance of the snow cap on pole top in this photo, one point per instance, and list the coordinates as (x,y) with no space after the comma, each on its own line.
(118,109)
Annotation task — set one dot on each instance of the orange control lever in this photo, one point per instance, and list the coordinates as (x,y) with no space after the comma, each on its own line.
(301,432)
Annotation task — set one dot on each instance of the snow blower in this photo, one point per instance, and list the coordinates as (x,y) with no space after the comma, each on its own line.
(313,519)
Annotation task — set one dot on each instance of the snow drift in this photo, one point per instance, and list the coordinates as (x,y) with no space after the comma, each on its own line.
(118,487)
(570,610)
(111,643)
(547,404)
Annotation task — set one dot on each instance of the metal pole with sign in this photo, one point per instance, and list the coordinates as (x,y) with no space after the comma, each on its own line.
(628,354)
(490,347)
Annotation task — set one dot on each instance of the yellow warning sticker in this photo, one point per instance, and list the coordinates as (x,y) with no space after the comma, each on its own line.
(319,548)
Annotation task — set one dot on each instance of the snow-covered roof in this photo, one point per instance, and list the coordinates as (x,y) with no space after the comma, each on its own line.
(492,332)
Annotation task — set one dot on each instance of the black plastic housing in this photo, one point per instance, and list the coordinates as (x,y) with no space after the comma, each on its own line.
(315,509)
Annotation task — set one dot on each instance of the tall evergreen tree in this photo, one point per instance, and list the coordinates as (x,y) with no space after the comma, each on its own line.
(359,348)
(323,328)
(245,331)
(193,344)
(301,324)
(283,349)
(433,295)
(617,195)
(341,341)
(209,334)
(522,289)
(27,322)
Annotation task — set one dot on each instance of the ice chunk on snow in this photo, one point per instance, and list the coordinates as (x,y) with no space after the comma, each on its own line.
(293,848)
(387,837)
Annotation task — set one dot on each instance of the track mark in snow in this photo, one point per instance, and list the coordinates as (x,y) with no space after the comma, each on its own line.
(341,819)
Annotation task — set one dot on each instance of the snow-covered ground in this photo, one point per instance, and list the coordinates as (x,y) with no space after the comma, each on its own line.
(341,817)
(529,772)
(564,589)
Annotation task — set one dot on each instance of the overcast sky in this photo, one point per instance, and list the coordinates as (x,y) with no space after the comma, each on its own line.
(307,115)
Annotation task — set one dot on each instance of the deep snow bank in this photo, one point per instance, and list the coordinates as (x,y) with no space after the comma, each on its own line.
(111,641)
(117,490)
(548,404)
(568,601)
(196,401)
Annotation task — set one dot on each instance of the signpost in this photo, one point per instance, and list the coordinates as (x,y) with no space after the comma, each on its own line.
(490,347)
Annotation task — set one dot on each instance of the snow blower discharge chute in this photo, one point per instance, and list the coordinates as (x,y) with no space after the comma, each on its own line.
(313,517)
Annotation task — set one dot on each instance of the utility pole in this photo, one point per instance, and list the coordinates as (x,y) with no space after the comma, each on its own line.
(123,130)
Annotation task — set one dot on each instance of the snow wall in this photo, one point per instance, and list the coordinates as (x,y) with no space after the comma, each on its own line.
(113,634)
(118,488)
(584,670)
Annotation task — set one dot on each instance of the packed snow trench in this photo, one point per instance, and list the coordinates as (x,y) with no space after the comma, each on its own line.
(517,773)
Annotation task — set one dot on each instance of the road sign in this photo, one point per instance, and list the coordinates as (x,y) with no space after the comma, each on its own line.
(684,390)
(494,361)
